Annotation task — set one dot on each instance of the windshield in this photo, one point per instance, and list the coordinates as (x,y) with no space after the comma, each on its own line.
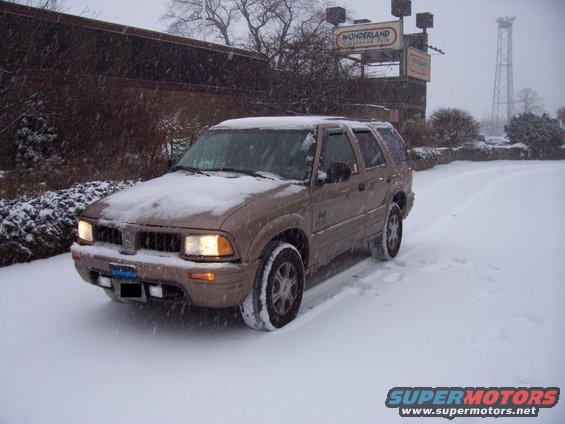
(286,154)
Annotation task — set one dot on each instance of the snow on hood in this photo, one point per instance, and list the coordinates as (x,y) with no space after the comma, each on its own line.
(177,195)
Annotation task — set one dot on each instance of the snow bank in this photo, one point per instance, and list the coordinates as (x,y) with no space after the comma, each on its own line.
(36,227)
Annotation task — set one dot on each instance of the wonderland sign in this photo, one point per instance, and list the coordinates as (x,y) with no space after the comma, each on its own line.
(366,37)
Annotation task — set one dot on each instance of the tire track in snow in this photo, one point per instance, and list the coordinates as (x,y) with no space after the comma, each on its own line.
(335,289)
(453,215)
(426,191)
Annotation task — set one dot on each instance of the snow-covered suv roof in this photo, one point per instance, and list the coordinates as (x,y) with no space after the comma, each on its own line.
(298,122)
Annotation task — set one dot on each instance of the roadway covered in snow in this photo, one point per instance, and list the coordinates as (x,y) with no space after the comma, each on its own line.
(476,297)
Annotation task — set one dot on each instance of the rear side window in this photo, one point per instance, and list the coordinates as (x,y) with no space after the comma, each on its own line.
(394,144)
(370,150)
(337,148)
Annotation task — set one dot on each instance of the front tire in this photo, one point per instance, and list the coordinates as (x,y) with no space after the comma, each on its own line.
(386,246)
(277,291)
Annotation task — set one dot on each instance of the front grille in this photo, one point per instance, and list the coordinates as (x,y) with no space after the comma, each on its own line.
(163,242)
(107,234)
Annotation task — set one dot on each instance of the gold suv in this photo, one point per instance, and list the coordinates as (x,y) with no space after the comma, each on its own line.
(251,208)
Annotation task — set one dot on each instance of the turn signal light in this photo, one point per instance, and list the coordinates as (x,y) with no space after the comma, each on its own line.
(76,256)
(202,276)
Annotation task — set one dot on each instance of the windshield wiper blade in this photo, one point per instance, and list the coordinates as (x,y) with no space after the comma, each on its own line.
(241,171)
(187,168)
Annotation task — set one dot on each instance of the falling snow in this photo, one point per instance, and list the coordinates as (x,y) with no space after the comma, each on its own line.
(456,307)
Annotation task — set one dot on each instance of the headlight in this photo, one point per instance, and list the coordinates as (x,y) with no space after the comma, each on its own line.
(85,231)
(207,246)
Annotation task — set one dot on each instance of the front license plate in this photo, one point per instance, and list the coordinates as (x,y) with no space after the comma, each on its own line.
(126,272)
(131,290)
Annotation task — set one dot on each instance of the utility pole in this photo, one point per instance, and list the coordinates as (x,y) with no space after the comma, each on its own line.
(503,96)
(400,9)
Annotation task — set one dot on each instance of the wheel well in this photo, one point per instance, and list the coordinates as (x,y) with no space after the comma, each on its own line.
(298,239)
(400,199)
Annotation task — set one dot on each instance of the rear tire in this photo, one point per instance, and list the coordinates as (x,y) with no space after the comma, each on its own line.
(386,246)
(277,291)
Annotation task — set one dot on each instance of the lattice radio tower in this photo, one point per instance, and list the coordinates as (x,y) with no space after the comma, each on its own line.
(503,98)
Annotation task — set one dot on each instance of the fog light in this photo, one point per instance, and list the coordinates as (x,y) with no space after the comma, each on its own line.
(203,276)
(156,290)
(104,282)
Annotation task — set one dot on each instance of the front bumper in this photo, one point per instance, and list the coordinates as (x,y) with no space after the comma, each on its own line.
(232,283)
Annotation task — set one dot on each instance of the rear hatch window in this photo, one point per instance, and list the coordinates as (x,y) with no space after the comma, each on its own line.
(394,144)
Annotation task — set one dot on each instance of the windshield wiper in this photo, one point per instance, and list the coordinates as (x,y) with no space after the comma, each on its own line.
(187,168)
(241,171)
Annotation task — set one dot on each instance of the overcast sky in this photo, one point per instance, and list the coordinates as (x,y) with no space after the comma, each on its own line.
(465,29)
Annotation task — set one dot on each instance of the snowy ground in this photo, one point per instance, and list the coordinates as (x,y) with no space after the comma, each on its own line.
(475,298)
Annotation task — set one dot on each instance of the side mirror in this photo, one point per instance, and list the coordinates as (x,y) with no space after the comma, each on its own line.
(338,172)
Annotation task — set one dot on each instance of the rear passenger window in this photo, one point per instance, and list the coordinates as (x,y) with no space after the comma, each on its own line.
(370,150)
(394,144)
(337,148)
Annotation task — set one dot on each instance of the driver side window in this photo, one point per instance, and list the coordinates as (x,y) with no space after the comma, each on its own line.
(337,148)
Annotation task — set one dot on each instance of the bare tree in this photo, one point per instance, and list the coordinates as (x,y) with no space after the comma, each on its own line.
(307,76)
(53,5)
(310,80)
(266,26)
(208,17)
(529,101)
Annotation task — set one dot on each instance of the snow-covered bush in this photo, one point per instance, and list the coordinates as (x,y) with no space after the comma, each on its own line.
(417,132)
(428,157)
(169,127)
(480,146)
(176,147)
(425,153)
(36,139)
(453,127)
(178,134)
(41,226)
(541,133)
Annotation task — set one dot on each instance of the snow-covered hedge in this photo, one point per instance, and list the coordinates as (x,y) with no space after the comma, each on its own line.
(426,153)
(44,225)
(428,157)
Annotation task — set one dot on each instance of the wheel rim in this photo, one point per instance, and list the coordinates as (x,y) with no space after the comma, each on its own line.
(393,236)
(284,288)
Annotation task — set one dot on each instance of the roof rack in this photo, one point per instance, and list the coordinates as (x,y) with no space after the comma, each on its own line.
(353,118)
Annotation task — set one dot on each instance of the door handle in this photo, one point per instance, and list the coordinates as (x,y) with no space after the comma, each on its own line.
(361,186)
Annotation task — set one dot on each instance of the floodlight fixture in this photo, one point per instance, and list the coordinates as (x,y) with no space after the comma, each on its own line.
(335,15)
(401,8)
(424,20)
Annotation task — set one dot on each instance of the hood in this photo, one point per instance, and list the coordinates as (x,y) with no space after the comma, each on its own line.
(184,200)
